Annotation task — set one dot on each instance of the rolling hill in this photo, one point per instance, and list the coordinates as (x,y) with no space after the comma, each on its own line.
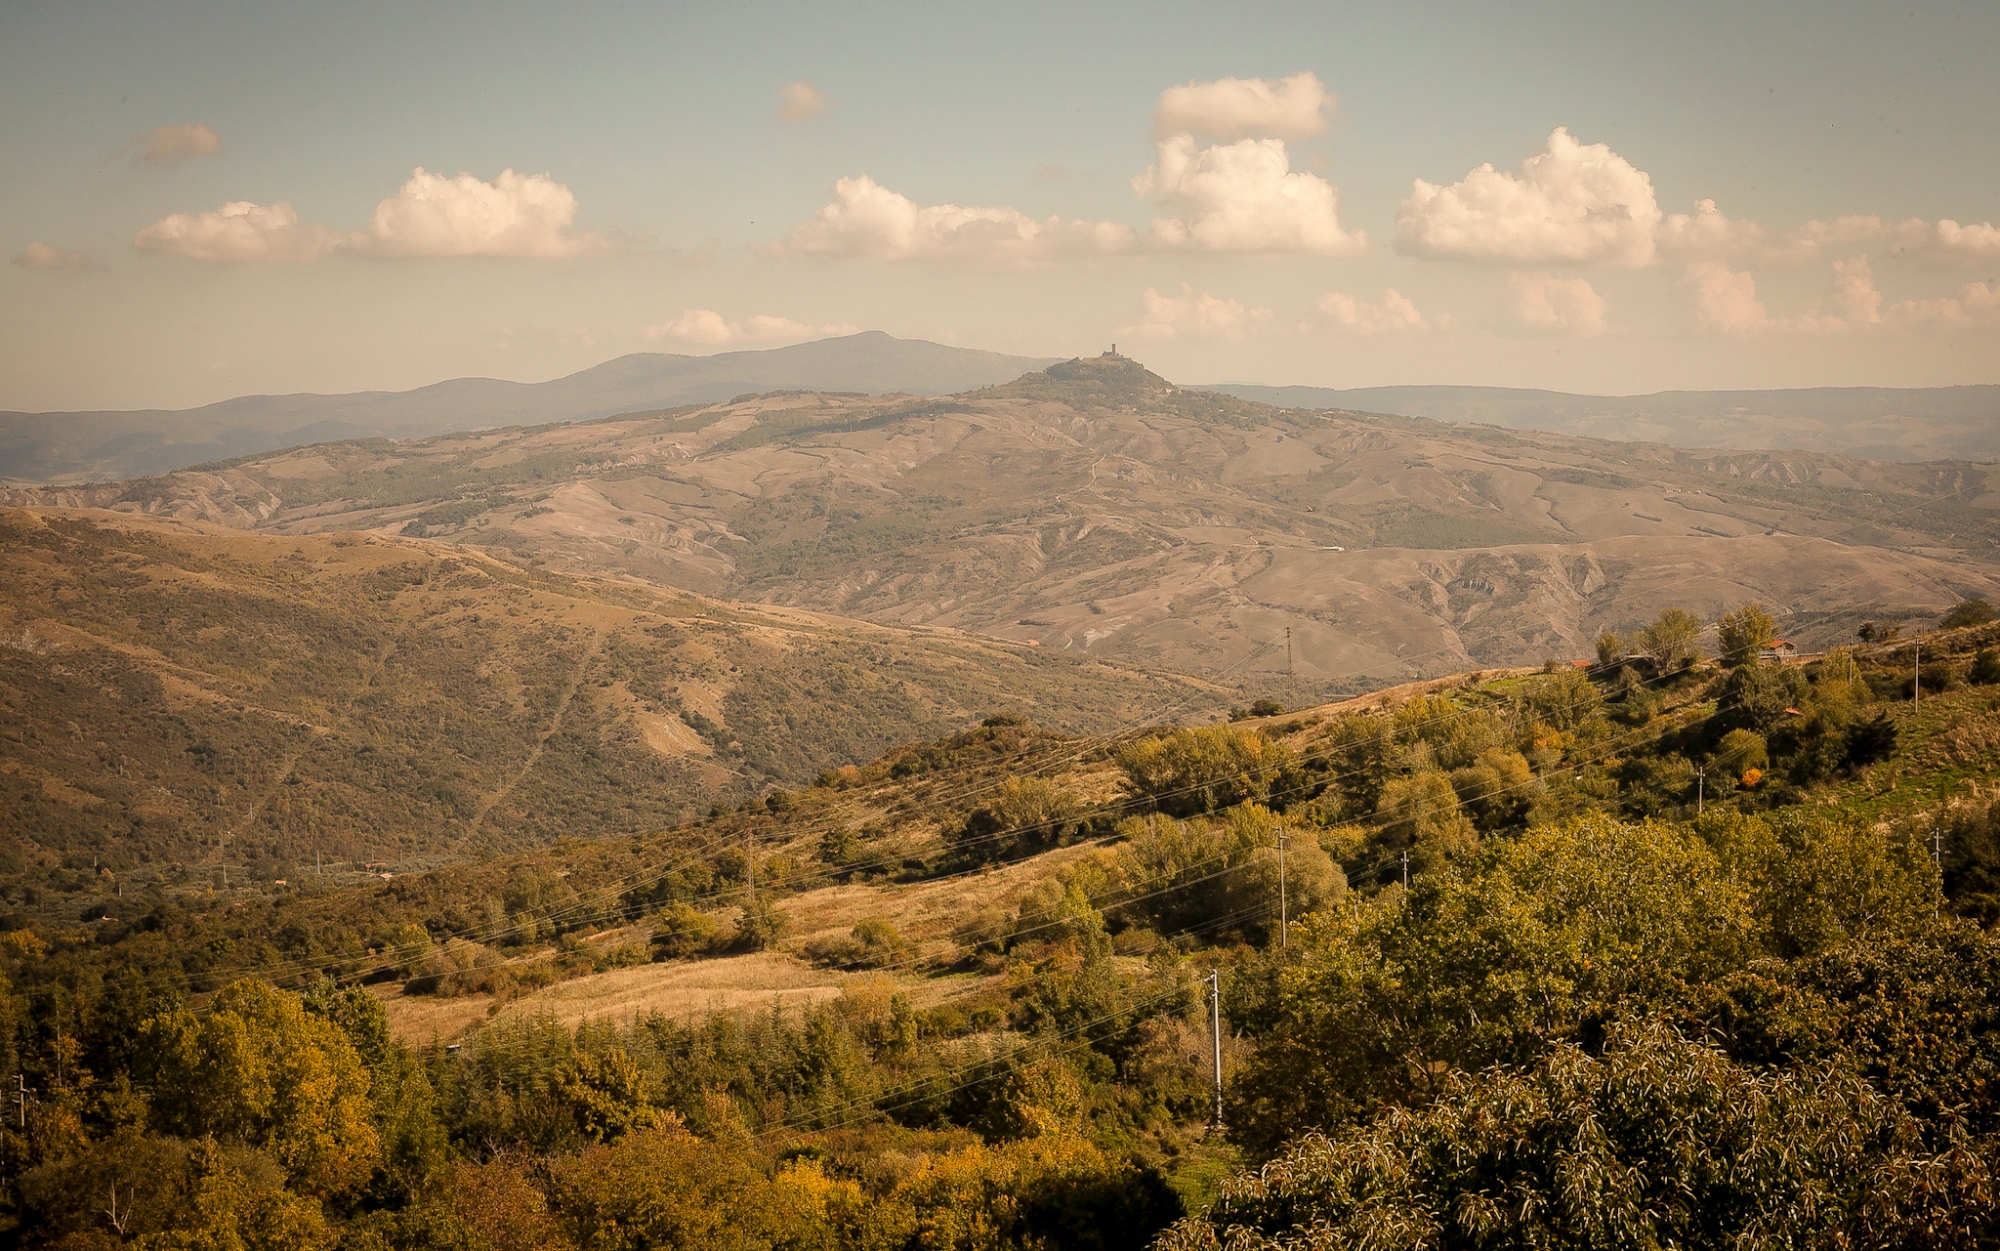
(101,446)
(1095,508)
(178,695)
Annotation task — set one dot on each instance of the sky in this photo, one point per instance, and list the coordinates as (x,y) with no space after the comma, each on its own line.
(203,200)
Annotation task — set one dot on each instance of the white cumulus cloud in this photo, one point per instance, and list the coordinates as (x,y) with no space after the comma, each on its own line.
(866,219)
(704,327)
(800,100)
(40,255)
(1191,316)
(1542,304)
(1241,108)
(1242,197)
(1394,313)
(520,215)
(1574,204)
(239,231)
(170,145)
(515,215)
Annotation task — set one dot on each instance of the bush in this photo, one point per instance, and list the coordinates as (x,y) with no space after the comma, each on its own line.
(1985,670)
(758,926)
(872,944)
(683,932)
(1971,612)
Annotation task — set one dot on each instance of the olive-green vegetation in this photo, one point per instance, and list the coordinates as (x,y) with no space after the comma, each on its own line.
(1529,995)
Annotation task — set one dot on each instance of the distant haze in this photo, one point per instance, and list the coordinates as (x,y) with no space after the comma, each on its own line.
(107,446)
(1879,423)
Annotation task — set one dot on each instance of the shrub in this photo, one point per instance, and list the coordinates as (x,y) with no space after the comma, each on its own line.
(872,944)
(683,932)
(1985,670)
(1971,612)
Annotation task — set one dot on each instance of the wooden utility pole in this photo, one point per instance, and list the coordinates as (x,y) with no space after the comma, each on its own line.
(1917,691)
(1406,870)
(1215,1037)
(1700,785)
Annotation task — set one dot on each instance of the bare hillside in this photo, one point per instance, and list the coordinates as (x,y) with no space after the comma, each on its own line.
(1096,508)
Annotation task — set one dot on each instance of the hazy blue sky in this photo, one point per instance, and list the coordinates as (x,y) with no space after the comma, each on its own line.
(690,178)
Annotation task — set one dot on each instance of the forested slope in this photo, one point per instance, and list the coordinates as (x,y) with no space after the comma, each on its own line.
(1592,1016)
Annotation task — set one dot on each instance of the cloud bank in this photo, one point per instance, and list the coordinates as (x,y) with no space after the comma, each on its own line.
(1239,195)
(516,215)
(1724,302)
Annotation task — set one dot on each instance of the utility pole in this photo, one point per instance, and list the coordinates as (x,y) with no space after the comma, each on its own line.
(1215,1037)
(1700,786)
(1406,870)
(1917,691)
(22,1093)
(1937,858)
(1284,916)
(750,857)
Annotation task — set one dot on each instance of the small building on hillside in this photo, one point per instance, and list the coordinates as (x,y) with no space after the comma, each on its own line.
(1780,649)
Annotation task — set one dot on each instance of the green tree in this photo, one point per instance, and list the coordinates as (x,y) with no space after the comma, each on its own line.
(1024,816)
(1610,649)
(1673,640)
(1203,769)
(1422,812)
(1658,1142)
(1741,751)
(1493,960)
(257,1069)
(1742,635)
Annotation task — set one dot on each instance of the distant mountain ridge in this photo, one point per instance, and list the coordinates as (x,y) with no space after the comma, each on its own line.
(1878,423)
(107,446)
